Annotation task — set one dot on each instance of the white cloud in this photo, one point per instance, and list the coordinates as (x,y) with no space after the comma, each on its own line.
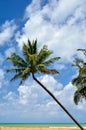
(7,31)
(65,9)
(67,91)
(51,83)
(62,8)
(3,81)
(24,93)
(30,11)
(62,29)
(31,101)
(33,91)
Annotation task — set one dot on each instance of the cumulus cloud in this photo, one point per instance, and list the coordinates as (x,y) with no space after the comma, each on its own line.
(61,29)
(31,101)
(51,83)
(7,31)
(24,93)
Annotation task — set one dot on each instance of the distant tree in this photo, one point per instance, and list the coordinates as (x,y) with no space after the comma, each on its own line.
(80,80)
(35,61)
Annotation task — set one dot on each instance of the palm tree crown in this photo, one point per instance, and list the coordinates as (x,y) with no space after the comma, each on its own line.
(80,80)
(34,61)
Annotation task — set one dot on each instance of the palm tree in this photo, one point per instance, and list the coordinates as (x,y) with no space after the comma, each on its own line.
(80,80)
(33,62)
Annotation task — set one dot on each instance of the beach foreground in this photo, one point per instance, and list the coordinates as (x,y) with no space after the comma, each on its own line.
(38,128)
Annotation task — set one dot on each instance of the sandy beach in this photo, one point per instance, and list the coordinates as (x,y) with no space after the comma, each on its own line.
(38,128)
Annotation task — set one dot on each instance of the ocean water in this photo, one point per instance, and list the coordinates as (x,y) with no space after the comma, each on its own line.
(42,124)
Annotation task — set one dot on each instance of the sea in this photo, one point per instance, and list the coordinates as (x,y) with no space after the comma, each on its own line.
(41,124)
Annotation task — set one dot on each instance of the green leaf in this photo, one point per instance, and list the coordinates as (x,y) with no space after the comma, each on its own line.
(77,97)
(43,54)
(52,60)
(26,71)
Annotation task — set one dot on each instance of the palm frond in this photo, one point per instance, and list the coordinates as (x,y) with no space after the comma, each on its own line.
(34,47)
(50,61)
(49,71)
(78,63)
(82,70)
(80,83)
(26,71)
(77,81)
(82,91)
(41,66)
(26,52)
(43,54)
(30,51)
(77,97)
(83,50)
(17,60)
(21,76)
(16,76)
(14,70)
(54,71)
(30,48)
(24,77)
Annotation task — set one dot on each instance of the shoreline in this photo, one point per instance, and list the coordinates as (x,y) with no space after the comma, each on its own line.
(38,128)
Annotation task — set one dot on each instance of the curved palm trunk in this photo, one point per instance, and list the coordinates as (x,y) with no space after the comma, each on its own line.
(57,102)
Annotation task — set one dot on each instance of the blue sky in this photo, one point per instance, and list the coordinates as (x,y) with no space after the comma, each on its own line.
(61,25)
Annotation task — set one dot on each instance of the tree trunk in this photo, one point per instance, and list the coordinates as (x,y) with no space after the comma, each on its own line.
(57,102)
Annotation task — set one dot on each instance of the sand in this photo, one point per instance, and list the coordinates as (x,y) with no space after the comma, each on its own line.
(38,128)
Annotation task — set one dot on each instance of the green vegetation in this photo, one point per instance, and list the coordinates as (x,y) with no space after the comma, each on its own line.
(80,80)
